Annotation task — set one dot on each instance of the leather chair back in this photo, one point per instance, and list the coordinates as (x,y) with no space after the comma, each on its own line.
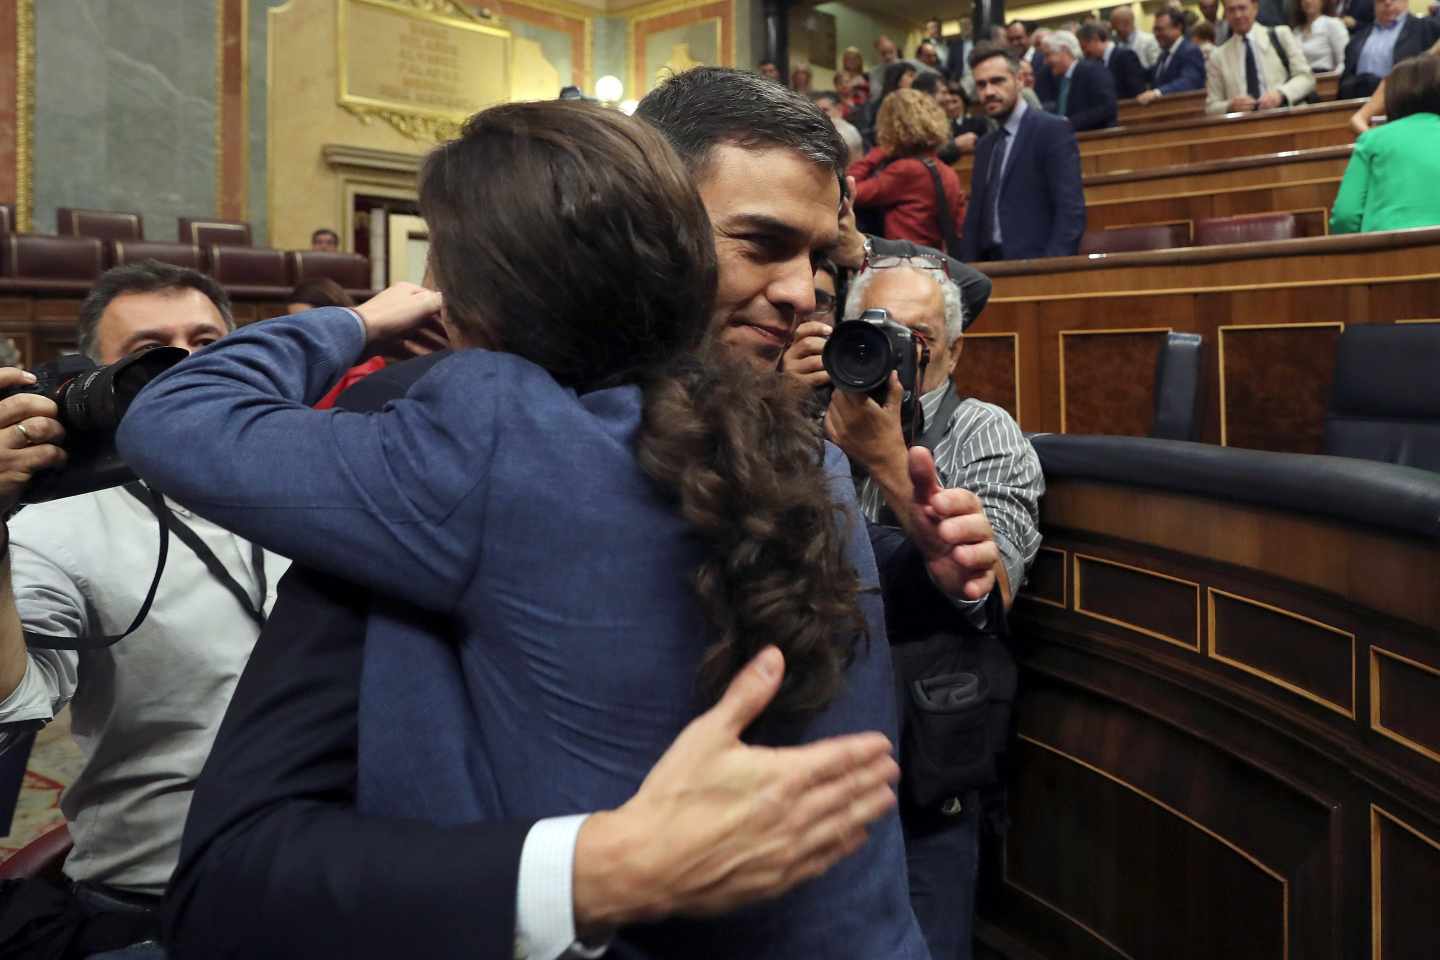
(1246,229)
(1177,388)
(104,224)
(42,857)
(1385,402)
(206,233)
(36,257)
(350,270)
(177,254)
(1158,236)
(7,218)
(249,267)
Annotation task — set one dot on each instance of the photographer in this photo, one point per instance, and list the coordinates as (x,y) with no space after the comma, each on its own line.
(978,449)
(146,709)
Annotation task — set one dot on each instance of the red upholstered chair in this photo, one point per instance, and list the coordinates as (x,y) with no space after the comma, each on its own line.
(42,857)
(1157,236)
(350,270)
(104,224)
(1248,229)
(206,233)
(68,259)
(7,218)
(124,252)
(250,271)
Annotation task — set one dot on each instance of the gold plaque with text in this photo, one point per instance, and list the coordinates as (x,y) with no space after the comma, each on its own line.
(421,71)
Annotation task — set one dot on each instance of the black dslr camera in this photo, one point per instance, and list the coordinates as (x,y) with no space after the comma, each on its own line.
(860,355)
(92,399)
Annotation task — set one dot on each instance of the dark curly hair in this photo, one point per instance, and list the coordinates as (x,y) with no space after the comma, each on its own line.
(573,236)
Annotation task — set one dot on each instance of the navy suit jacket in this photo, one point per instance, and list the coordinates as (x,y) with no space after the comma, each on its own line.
(1416,36)
(1042,200)
(1092,103)
(1183,69)
(1130,78)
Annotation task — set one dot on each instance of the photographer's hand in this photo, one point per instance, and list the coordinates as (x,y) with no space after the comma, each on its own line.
(29,434)
(952,531)
(398,311)
(871,436)
(802,359)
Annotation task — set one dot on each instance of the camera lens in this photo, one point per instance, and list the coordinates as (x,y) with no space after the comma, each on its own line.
(857,357)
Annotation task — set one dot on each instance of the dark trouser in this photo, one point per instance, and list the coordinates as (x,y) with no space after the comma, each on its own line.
(990,252)
(942,854)
(1356,85)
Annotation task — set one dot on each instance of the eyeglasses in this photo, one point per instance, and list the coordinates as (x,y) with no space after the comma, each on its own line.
(921,261)
(824,304)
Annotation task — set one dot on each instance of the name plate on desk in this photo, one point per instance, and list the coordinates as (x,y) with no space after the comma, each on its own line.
(420,65)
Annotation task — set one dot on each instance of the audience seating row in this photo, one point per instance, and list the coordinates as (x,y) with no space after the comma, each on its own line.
(1192,103)
(1254,228)
(72,263)
(119,225)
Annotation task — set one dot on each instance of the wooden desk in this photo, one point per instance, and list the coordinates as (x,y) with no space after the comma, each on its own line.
(1226,737)
(1070,344)
(1192,102)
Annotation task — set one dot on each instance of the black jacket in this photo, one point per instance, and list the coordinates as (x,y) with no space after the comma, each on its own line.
(1416,36)
(1130,78)
(1091,104)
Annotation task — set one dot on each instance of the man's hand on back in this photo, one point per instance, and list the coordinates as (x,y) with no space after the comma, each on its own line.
(718,824)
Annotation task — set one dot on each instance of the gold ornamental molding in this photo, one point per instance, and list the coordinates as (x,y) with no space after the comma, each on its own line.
(425,129)
(24,113)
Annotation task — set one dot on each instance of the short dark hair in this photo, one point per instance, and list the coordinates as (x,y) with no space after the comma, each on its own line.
(930,83)
(1413,87)
(989,51)
(322,232)
(1092,31)
(147,276)
(1176,17)
(703,108)
(958,89)
(321,292)
(817,95)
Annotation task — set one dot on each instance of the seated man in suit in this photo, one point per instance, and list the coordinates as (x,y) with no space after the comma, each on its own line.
(1375,48)
(1077,89)
(1256,69)
(1124,66)
(1026,196)
(1181,66)
(1130,37)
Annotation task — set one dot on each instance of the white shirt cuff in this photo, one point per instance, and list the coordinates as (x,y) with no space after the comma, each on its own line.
(544,900)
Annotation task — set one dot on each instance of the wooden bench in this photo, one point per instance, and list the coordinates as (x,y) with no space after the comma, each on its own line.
(1192,102)
(1069,344)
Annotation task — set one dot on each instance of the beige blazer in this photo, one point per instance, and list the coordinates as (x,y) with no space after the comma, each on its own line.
(1225,70)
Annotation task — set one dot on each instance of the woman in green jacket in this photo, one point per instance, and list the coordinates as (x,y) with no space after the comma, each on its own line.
(1392,178)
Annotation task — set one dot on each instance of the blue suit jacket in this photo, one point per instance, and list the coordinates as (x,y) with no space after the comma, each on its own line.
(497,498)
(1042,199)
(1091,104)
(1129,76)
(1183,70)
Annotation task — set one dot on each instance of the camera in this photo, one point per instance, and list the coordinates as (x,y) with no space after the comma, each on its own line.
(861,353)
(92,400)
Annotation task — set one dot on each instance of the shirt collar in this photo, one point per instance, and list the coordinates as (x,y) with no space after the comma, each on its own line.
(1012,125)
(1395,25)
(1109,49)
(930,402)
(1071,72)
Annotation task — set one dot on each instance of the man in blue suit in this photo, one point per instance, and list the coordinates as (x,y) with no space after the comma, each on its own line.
(1181,65)
(1124,65)
(1026,196)
(1080,90)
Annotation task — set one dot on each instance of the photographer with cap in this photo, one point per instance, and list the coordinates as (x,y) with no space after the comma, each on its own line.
(978,449)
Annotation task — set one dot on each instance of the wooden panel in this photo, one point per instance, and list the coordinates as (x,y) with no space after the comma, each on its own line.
(1223,202)
(1313,117)
(1206,149)
(1275,384)
(1192,102)
(1405,873)
(1145,601)
(1269,170)
(989,369)
(1122,849)
(1107,380)
(1403,697)
(1049,578)
(1309,658)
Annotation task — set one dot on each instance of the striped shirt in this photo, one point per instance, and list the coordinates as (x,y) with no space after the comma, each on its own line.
(984,452)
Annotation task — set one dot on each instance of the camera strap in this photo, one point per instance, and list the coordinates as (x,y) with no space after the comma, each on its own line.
(165,518)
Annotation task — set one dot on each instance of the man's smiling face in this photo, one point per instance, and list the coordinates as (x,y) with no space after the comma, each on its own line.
(774,214)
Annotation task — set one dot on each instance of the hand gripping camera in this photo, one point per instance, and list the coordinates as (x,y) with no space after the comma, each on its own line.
(860,355)
(92,400)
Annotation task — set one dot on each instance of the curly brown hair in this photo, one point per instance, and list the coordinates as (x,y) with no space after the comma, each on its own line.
(911,124)
(627,300)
